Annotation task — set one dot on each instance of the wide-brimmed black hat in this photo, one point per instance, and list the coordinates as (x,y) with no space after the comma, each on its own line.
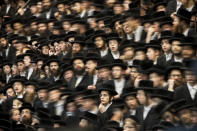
(92,56)
(108,86)
(144,66)
(156,69)
(53,59)
(158,16)
(119,62)
(163,94)
(185,106)
(77,56)
(70,34)
(158,3)
(6,62)
(26,106)
(146,85)
(90,94)
(127,43)
(79,40)
(17,79)
(155,44)
(189,41)
(177,36)
(103,63)
(184,14)
(165,35)
(163,125)
(89,116)
(98,33)
(118,103)
(173,66)
(112,125)
(129,91)
(167,21)
(113,36)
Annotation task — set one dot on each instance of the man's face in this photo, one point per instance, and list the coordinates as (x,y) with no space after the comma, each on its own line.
(27,61)
(76,7)
(90,66)
(127,28)
(117,72)
(26,116)
(113,45)
(176,48)
(21,66)
(105,97)
(68,75)
(61,7)
(45,50)
(78,66)
(3,42)
(39,65)
(166,46)
(46,4)
(18,87)
(99,42)
(54,95)
(30,89)
(141,97)
(118,9)
(42,94)
(131,102)
(176,75)
(151,54)
(185,116)
(133,73)
(88,104)
(188,52)
(7,69)
(140,55)
(54,67)
(42,27)
(128,53)
(156,78)
(10,92)
(104,73)
(190,77)
(76,48)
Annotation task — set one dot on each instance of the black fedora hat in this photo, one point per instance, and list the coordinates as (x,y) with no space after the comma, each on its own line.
(90,94)
(183,107)
(177,37)
(189,41)
(108,86)
(26,106)
(184,14)
(158,16)
(173,66)
(127,43)
(146,85)
(53,59)
(119,62)
(92,56)
(165,35)
(70,34)
(111,125)
(155,44)
(113,36)
(79,40)
(163,94)
(98,33)
(156,69)
(163,125)
(158,3)
(118,103)
(103,63)
(78,56)
(89,116)
(129,91)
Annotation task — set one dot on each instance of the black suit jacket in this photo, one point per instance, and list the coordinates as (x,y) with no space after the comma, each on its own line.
(86,81)
(109,56)
(11,54)
(183,93)
(152,118)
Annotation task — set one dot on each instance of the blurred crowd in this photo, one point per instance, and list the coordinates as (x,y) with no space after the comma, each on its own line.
(98,65)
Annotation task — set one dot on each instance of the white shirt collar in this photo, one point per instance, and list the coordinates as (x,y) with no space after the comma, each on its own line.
(115,56)
(185,33)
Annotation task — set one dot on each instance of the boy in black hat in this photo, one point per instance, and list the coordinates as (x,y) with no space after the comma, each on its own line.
(166,47)
(146,113)
(153,51)
(7,70)
(118,67)
(113,41)
(18,86)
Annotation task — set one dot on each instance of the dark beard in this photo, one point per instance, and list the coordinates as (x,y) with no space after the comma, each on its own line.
(26,121)
(79,72)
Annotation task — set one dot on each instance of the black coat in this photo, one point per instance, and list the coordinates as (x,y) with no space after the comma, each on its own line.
(183,93)
(11,54)
(151,119)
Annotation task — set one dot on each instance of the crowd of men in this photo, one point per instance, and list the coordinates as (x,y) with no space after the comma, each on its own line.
(102,65)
